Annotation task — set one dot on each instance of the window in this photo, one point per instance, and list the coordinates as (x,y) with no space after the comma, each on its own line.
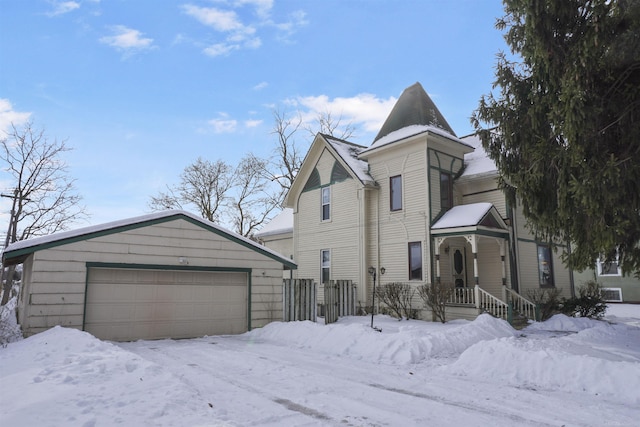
(446,191)
(326,203)
(611,268)
(415,261)
(325,265)
(545,265)
(395,185)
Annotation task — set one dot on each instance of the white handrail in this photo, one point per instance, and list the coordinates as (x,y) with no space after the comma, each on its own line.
(489,303)
(521,304)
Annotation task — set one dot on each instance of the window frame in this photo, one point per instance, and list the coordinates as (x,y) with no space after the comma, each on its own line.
(419,268)
(327,204)
(325,265)
(600,265)
(393,196)
(550,283)
(448,191)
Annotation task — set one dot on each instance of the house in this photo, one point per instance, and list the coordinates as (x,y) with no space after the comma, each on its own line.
(617,287)
(164,275)
(419,205)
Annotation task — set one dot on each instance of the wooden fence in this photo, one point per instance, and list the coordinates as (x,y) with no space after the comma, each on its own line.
(299,300)
(339,299)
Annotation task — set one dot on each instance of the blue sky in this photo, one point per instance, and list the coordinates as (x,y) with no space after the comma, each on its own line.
(142,88)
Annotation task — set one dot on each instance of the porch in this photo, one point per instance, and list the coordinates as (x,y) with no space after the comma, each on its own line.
(471,248)
(471,301)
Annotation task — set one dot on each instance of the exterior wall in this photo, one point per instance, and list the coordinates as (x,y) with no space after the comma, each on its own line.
(485,190)
(340,234)
(55,278)
(281,243)
(390,232)
(441,162)
(629,285)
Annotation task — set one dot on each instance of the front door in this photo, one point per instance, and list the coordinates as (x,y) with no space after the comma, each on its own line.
(458,263)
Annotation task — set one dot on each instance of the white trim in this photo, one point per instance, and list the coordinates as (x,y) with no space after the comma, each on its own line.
(618,290)
(599,269)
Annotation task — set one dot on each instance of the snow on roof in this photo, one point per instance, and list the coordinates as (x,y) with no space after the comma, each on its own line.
(349,153)
(477,162)
(463,216)
(139,220)
(412,130)
(280,224)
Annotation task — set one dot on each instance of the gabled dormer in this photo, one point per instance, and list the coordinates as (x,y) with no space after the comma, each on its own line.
(329,160)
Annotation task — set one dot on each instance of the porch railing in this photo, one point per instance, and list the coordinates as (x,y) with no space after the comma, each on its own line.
(487,302)
(481,299)
(462,296)
(520,304)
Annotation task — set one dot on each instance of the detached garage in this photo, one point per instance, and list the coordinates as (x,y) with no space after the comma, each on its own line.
(164,275)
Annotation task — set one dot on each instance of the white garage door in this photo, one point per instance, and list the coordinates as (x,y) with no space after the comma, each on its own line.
(131,304)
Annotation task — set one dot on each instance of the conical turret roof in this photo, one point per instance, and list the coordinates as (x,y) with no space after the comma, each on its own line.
(414,107)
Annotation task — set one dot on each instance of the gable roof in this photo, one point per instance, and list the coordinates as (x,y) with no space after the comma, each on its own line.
(346,153)
(414,107)
(280,224)
(18,251)
(474,217)
(477,163)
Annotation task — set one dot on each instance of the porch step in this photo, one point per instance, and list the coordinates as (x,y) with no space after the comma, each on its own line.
(519,322)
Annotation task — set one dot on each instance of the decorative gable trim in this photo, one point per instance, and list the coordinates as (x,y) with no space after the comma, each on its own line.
(313,182)
(339,173)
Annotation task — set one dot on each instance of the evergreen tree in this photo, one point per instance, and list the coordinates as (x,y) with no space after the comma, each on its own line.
(564,129)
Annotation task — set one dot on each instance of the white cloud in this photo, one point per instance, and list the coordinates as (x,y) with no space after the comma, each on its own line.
(9,116)
(127,40)
(220,20)
(62,7)
(364,110)
(263,7)
(260,86)
(239,33)
(223,124)
(252,123)
(296,20)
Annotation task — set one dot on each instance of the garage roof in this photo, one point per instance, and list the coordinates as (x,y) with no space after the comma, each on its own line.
(17,252)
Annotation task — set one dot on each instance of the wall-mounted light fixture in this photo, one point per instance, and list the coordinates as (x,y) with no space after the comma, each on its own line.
(183,261)
(382,270)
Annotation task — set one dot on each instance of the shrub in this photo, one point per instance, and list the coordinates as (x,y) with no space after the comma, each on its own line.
(548,301)
(435,295)
(397,297)
(589,302)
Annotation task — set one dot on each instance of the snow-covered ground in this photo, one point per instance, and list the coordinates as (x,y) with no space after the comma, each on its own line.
(563,372)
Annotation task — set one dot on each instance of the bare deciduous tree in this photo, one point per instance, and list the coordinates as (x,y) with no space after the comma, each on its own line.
(288,155)
(203,184)
(240,198)
(43,196)
(252,202)
(329,125)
